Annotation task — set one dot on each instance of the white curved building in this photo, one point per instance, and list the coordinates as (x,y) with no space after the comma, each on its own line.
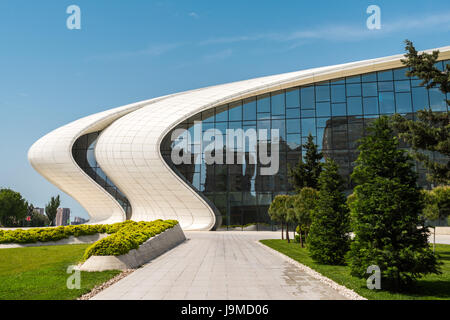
(116,163)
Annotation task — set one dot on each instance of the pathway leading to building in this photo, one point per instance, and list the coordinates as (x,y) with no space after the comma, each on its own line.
(220,265)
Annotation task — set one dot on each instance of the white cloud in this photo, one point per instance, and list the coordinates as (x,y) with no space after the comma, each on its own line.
(194,15)
(151,51)
(217,56)
(342,32)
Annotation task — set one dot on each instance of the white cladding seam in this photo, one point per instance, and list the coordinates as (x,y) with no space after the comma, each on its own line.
(128,149)
(51,156)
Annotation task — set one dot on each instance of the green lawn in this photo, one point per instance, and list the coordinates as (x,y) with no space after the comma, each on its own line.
(40,273)
(429,287)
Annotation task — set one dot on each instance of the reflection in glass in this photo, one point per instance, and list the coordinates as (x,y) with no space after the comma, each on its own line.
(335,112)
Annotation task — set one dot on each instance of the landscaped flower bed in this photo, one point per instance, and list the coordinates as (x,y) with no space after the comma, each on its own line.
(124,236)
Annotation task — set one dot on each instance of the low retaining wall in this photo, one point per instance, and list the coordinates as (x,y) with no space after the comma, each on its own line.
(441,230)
(70,240)
(147,251)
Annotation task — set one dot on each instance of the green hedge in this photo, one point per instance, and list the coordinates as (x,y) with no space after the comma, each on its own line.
(54,234)
(127,238)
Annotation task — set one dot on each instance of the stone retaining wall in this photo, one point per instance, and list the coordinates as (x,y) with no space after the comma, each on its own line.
(147,251)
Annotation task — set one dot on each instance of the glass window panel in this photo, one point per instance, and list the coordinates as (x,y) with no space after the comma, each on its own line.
(400,74)
(235,111)
(208,116)
(293,126)
(402,86)
(263,116)
(294,142)
(354,106)
(308,113)
(354,79)
(339,109)
(292,113)
(354,90)
(385,75)
(338,81)
(370,105)
(280,125)
(322,122)
(338,93)
(369,77)
(222,113)
(437,100)
(420,98)
(264,125)
(250,109)
(307,97)
(439,65)
(323,93)
(308,126)
(385,86)
(293,98)
(369,89)
(403,102)
(263,103)
(416,82)
(278,105)
(323,109)
(387,103)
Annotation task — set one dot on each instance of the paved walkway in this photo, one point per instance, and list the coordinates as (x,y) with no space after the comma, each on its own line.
(220,265)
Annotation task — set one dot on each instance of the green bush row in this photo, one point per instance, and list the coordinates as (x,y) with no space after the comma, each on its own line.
(127,238)
(58,233)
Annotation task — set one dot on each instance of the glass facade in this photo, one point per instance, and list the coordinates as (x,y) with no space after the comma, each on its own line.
(335,112)
(83,152)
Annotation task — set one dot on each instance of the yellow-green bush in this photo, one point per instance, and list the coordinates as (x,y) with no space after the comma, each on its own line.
(63,232)
(128,237)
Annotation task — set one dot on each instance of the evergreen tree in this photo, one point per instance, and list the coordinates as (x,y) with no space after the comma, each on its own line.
(431,130)
(385,212)
(306,173)
(328,239)
(51,209)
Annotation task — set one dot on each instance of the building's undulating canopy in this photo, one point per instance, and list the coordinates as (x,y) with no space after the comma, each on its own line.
(215,157)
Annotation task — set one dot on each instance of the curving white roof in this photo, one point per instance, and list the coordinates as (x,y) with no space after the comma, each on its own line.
(128,149)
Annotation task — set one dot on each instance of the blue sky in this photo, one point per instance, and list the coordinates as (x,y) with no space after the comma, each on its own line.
(128,51)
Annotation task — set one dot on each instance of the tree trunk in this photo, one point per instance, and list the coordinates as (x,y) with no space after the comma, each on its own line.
(287,233)
(282,231)
(301,238)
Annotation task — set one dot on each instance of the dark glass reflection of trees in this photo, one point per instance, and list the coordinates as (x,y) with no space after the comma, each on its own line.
(83,152)
(335,112)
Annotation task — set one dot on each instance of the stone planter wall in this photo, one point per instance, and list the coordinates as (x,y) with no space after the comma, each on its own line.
(147,251)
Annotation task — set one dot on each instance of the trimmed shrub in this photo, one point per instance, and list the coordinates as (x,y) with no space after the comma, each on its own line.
(129,237)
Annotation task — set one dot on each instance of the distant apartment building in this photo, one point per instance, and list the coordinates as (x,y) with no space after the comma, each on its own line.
(39,210)
(79,220)
(63,217)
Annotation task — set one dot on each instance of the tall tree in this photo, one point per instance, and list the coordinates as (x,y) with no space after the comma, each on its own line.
(13,208)
(430,133)
(278,212)
(306,172)
(303,206)
(51,209)
(386,212)
(329,239)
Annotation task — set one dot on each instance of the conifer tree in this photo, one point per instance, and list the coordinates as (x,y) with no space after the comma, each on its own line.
(386,212)
(328,239)
(306,172)
(430,132)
